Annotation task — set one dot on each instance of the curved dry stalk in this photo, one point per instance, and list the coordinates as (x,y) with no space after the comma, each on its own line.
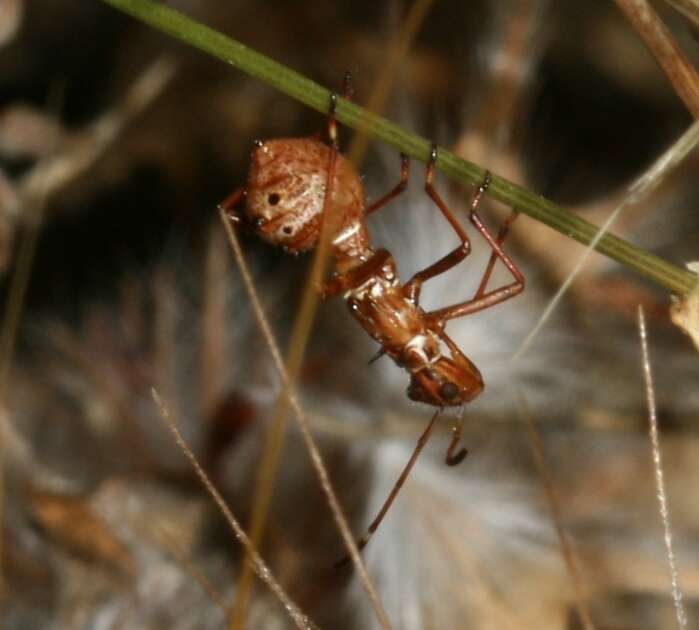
(311,446)
(659,476)
(299,618)
(679,71)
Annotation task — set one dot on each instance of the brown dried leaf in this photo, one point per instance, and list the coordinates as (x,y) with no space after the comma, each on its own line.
(684,312)
(71,522)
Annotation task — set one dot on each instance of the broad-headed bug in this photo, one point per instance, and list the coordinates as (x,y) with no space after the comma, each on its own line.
(292,182)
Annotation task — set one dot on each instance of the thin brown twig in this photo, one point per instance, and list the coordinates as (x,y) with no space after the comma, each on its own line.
(563,540)
(277,430)
(261,569)
(658,468)
(305,317)
(679,71)
(309,441)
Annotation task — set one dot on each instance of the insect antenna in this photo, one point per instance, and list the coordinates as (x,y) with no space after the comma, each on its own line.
(377,356)
(422,440)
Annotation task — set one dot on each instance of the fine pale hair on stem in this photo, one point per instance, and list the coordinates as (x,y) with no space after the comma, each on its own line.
(658,469)
(264,573)
(303,323)
(311,446)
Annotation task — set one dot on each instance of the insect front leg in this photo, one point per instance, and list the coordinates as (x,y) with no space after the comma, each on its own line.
(414,285)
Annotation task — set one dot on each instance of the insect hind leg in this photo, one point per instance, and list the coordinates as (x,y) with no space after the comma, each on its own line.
(483,300)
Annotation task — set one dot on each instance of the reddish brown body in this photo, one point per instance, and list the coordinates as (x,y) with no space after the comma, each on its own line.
(294,185)
(286,195)
(285,200)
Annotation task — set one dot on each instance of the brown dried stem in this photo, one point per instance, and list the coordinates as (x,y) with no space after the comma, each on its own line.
(306,313)
(300,620)
(656,35)
(554,505)
(311,446)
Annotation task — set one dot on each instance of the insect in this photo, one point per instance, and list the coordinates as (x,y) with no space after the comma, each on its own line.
(294,184)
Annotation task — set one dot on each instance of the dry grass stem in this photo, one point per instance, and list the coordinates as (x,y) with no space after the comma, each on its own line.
(655,34)
(311,446)
(658,468)
(554,505)
(309,305)
(276,433)
(261,569)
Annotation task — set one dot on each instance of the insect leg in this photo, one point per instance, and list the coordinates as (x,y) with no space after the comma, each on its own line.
(414,285)
(483,300)
(361,543)
(399,188)
(334,147)
(332,121)
(500,239)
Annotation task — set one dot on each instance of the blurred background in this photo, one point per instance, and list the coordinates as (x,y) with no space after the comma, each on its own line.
(116,144)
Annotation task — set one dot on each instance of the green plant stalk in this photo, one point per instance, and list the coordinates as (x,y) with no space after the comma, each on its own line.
(179,26)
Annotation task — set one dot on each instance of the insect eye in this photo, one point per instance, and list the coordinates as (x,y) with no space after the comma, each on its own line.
(448,391)
(273,199)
